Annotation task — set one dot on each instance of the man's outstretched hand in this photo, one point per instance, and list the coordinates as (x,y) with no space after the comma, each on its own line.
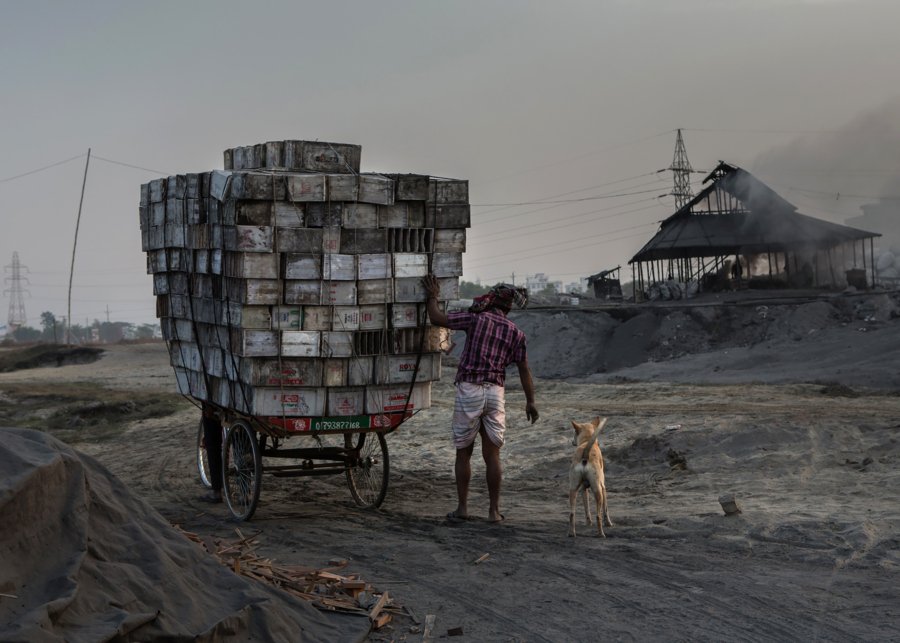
(531,413)
(432,287)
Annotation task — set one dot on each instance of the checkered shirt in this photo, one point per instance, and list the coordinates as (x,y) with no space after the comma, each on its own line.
(493,342)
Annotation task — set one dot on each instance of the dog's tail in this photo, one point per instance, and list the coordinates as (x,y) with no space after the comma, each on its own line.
(590,443)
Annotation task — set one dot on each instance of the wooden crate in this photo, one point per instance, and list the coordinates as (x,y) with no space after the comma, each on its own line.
(449,240)
(345,318)
(260,186)
(393,216)
(410,264)
(339,267)
(363,241)
(405,315)
(375,291)
(255,265)
(301,343)
(337,344)
(339,293)
(320,156)
(317,317)
(293,402)
(287,317)
(444,191)
(446,264)
(260,292)
(412,187)
(302,266)
(301,240)
(240,316)
(335,372)
(282,372)
(253,213)
(448,216)
(393,398)
(360,215)
(343,187)
(289,215)
(396,369)
(410,240)
(360,371)
(374,266)
(324,215)
(254,342)
(346,401)
(250,238)
(372,317)
(409,290)
(304,187)
(303,292)
(376,188)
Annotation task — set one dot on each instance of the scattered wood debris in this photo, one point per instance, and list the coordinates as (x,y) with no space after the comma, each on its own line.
(324,588)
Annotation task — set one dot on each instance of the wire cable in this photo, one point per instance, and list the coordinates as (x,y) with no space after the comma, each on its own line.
(41,169)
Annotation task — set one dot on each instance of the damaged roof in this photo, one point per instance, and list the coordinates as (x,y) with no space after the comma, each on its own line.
(739,214)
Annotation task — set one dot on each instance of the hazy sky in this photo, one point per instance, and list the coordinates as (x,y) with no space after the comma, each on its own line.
(529,101)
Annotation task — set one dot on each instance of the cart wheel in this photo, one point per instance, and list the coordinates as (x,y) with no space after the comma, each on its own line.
(202,459)
(242,466)
(367,476)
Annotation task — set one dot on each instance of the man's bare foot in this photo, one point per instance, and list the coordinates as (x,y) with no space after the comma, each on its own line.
(496,517)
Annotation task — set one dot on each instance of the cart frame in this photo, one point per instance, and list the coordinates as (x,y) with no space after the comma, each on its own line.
(363,458)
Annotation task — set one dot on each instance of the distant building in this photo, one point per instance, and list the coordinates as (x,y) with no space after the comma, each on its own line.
(537,282)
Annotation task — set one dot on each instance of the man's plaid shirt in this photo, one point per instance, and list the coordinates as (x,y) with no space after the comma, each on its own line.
(493,342)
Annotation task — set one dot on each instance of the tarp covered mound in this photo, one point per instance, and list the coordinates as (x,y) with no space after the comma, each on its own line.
(82,559)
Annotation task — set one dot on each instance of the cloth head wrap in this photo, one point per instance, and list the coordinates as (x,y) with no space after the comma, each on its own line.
(500,296)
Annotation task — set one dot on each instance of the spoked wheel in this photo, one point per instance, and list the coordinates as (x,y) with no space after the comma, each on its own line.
(202,459)
(242,464)
(367,474)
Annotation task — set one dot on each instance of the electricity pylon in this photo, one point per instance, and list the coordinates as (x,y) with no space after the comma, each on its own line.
(681,174)
(16,293)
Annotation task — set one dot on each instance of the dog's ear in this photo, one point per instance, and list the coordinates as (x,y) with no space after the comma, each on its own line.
(575,426)
(596,421)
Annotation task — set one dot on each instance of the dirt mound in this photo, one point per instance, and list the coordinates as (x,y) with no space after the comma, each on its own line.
(44,355)
(740,339)
(82,559)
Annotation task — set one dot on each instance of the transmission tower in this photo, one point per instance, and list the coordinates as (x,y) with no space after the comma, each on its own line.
(16,294)
(681,174)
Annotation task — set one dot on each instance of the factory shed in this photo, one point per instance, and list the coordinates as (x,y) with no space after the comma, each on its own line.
(738,232)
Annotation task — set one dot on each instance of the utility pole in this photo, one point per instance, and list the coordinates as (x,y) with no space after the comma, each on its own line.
(681,174)
(107,313)
(75,243)
(17,316)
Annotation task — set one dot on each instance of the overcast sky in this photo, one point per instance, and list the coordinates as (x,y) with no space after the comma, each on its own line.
(529,101)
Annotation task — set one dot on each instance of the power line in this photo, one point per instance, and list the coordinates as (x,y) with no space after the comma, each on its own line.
(134,167)
(757,131)
(41,169)
(553,252)
(566,243)
(582,156)
(592,187)
(579,200)
(555,223)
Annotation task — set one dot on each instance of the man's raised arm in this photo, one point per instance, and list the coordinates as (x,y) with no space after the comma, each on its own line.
(434,312)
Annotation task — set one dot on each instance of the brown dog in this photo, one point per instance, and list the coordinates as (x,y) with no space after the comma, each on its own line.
(587,471)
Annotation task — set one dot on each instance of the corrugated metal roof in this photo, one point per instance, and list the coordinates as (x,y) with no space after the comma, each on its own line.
(739,214)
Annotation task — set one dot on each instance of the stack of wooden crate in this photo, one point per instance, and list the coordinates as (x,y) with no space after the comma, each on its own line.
(289,284)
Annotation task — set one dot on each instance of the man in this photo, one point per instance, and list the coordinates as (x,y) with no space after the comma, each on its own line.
(492,343)
(212,442)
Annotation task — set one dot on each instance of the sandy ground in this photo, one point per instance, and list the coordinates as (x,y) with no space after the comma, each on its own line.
(810,452)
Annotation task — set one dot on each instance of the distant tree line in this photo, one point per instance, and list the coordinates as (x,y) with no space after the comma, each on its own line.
(54,331)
